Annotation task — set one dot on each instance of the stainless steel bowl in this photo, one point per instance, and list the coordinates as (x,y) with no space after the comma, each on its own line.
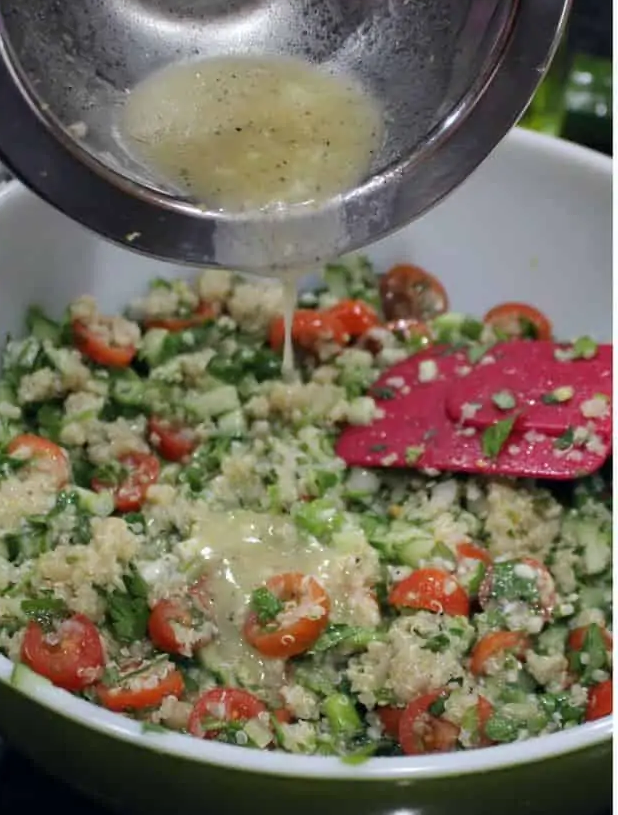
(452,75)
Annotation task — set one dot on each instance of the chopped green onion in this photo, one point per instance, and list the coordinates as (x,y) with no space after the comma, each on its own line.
(477,352)
(414,453)
(584,348)
(559,395)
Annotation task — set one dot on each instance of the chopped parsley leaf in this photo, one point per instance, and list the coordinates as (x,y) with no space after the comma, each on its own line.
(496,435)
(266,605)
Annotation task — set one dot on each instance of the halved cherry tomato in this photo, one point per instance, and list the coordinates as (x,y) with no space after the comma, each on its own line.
(282,640)
(519,320)
(420,732)
(577,638)
(166,617)
(308,329)
(409,292)
(431,589)
(390,717)
(496,643)
(544,582)
(173,442)
(160,625)
(71,656)
(469,551)
(355,316)
(205,311)
(95,348)
(143,470)
(223,705)
(484,712)
(150,695)
(600,701)
(44,455)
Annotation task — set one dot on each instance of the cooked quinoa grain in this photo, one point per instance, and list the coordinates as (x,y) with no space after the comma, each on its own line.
(174,512)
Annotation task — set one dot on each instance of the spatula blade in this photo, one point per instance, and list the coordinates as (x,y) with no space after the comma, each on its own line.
(440,407)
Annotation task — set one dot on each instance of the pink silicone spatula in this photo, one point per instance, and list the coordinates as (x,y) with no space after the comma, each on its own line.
(528,409)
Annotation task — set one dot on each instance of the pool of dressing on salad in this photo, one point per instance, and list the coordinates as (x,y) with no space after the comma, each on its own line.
(242,132)
(240,550)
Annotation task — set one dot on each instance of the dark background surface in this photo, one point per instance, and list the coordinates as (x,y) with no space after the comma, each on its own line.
(591,27)
(25,789)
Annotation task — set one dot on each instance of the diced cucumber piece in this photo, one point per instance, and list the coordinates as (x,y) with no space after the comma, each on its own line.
(342,715)
(352,276)
(25,679)
(419,546)
(8,431)
(7,394)
(593,537)
(21,354)
(41,327)
(453,327)
(553,639)
(212,660)
(597,548)
(152,345)
(232,423)
(100,504)
(361,483)
(212,403)
(128,391)
(320,518)
(594,597)
(314,679)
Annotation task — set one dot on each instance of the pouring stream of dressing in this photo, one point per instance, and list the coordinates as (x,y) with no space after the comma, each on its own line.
(243,133)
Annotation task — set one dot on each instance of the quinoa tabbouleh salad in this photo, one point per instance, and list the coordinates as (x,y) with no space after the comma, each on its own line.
(179,541)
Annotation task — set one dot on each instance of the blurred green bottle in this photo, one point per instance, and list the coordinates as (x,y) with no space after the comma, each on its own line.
(574,101)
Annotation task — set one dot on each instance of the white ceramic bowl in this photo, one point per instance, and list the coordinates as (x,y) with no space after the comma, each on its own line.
(532,224)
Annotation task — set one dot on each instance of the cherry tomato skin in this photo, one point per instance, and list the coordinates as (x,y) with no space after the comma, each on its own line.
(512,317)
(44,455)
(420,732)
(390,717)
(119,699)
(495,643)
(92,346)
(173,442)
(143,470)
(469,551)
(431,589)
(484,711)
(309,328)
(577,638)
(355,316)
(71,657)
(204,312)
(600,701)
(223,704)
(409,292)
(281,642)
(160,629)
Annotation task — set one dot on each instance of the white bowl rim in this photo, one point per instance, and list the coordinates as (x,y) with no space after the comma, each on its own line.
(401,770)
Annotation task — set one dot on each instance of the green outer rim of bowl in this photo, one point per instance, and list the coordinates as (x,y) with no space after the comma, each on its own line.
(296,766)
